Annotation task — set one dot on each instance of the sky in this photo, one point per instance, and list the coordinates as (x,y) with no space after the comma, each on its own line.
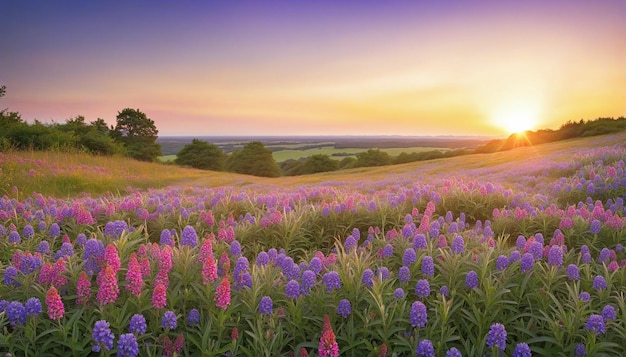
(317,67)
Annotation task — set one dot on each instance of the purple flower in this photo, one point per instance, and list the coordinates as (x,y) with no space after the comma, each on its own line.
(453,352)
(262,259)
(497,337)
(266,306)
(193,318)
(66,250)
(292,289)
(596,324)
(28,231)
(127,346)
(166,238)
(44,247)
(555,256)
(367,276)
(536,249)
(138,324)
(522,350)
(528,260)
(388,251)
(33,306)
(3,305)
(404,274)
(444,291)
(605,255)
(572,272)
(418,316)
(55,230)
(169,320)
(608,313)
(502,262)
(520,243)
(584,296)
(383,273)
(514,256)
(10,273)
(428,266)
(344,308)
(586,258)
(458,245)
(471,279)
(419,242)
(316,265)
(409,257)
(580,350)
(189,237)
(584,249)
(398,293)
(14,238)
(235,248)
(102,336)
(332,281)
(16,313)
(308,279)
(595,227)
(422,288)
(599,282)
(350,243)
(425,348)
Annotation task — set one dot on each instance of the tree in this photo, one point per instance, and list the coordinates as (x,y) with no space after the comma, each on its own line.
(254,159)
(138,134)
(319,163)
(201,155)
(373,157)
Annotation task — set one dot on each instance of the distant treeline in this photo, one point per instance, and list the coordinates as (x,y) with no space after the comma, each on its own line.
(569,130)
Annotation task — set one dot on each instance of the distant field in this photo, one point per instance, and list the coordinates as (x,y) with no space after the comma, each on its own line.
(295,154)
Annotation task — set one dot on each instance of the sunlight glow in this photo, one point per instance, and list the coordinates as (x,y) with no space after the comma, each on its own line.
(516,118)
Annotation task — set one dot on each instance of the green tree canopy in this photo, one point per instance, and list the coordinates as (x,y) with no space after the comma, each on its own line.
(373,157)
(319,163)
(138,134)
(254,159)
(201,155)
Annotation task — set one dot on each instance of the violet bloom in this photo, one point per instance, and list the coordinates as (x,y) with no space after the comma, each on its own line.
(608,313)
(596,324)
(102,336)
(404,274)
(419,242)
(572,272)
(599,282)
(388,251)
(332,281)
(522,350)
(16,313)
(422,288)
(292,289)
(344,308)
(189,237)
(471,279)
(33,306)
(497,337)
(458,245)
(266,305)
(555,256)
(428,266)
(502,262)
(425,348)
(169,320)
(127,345)
(193,318)
(453,352)
(419,315)
(580,350)
(138,324)
(584,296)
(398,293)
(367,276)
(409,257)
(528,260)
(595,227)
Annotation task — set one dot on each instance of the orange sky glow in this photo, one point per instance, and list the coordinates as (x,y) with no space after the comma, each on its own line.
(355,68)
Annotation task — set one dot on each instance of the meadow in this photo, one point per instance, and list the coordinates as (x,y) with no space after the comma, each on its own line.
(514,253)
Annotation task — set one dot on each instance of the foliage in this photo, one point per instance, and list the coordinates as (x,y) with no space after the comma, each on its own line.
(311,165)
(373,157)
(385,264)
(201,155)
(137,133)
(254,159)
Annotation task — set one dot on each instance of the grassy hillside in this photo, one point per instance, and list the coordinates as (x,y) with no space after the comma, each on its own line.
(70,174)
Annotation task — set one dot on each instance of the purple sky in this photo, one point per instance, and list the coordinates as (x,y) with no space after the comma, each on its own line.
(322,67)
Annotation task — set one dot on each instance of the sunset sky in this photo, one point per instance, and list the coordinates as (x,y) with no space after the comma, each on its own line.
(317,67)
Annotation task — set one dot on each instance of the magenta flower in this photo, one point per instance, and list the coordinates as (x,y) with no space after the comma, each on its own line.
(134,280)
(108,290)
(222,296)
(83,288)
(159,299)
(56,310)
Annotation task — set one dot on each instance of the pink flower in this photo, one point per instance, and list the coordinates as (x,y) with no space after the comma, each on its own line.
(328,345)
(222,296)
(159,299)
(145,267)
(46,273)
(165,259)
(206,250)
(108,290)
(56,310)
(83,288)
(209,270)
(57,275)
(133,276)
(112,258)
(84,217)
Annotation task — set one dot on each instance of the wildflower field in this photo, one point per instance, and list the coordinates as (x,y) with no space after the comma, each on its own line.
(516,253)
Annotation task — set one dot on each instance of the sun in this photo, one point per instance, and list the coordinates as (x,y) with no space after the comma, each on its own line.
(516,120)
